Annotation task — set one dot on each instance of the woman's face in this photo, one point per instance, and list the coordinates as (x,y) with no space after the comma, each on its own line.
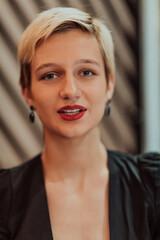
(68,84)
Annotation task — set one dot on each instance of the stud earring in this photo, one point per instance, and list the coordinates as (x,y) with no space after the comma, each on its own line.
(31,115)
(108,108)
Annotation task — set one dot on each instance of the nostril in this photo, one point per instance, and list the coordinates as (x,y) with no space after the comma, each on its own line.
(70,97)
(66,98)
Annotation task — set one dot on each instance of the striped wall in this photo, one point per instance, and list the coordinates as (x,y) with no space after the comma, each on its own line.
(20,140)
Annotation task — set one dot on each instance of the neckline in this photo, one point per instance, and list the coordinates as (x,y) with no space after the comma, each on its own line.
(110,188)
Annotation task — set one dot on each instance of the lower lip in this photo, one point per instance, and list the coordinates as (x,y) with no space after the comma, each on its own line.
(72,117)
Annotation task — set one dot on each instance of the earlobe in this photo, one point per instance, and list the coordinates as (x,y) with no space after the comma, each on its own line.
(27,95)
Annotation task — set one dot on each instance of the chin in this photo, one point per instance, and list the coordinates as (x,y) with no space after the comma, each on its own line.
(73,132)
(70,132)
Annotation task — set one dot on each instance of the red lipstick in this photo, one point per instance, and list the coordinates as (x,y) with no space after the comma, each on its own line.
(71,112)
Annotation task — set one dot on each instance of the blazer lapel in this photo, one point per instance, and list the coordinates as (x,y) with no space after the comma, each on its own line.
(39,215)
(30,202)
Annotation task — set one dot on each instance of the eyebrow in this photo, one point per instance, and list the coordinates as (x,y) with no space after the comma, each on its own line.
(46,65)
(91,61)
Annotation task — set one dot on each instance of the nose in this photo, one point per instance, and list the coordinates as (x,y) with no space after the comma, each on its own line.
(70,89)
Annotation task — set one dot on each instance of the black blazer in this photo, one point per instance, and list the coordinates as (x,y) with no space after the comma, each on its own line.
(134,199)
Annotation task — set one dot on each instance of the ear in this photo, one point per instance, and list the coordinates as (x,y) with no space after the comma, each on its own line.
(110,87)
(27,95)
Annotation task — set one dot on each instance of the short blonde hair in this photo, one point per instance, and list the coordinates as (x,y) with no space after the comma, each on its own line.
(62,19)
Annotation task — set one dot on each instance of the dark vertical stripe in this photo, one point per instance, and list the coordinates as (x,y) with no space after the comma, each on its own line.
(20,14)
(12,47)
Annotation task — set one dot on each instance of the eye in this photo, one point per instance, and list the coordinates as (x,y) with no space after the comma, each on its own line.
(49,76)
(87,73)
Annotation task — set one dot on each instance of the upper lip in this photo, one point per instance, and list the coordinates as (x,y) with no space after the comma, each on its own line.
(72,107)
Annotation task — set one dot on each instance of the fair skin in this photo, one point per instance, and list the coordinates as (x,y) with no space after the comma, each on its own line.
(68,69)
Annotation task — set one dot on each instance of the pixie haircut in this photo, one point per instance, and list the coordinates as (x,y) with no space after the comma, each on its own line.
(56,20)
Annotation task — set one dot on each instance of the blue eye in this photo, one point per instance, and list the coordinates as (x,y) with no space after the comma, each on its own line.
(87,73)
(49,76)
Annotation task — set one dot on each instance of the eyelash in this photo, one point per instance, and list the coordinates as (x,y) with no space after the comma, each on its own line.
(48,74)
(45,76)
(87,70)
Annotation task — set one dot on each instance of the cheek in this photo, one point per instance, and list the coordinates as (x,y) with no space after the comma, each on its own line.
(43,99)
(97,100)
(99,94)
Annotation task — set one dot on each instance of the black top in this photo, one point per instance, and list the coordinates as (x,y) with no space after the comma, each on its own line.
(134,199)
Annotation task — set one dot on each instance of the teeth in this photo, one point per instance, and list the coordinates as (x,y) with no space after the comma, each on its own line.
(71,111)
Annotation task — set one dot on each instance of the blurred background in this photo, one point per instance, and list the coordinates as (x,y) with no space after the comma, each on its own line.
(134,124)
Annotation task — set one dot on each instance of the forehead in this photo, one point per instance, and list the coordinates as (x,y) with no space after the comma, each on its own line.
(67,46)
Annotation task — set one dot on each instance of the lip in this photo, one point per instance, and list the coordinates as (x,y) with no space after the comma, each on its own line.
(71,116)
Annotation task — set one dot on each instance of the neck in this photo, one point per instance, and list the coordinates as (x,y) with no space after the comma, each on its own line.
(65,158)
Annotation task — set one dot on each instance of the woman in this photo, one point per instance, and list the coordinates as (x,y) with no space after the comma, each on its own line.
(75,189)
